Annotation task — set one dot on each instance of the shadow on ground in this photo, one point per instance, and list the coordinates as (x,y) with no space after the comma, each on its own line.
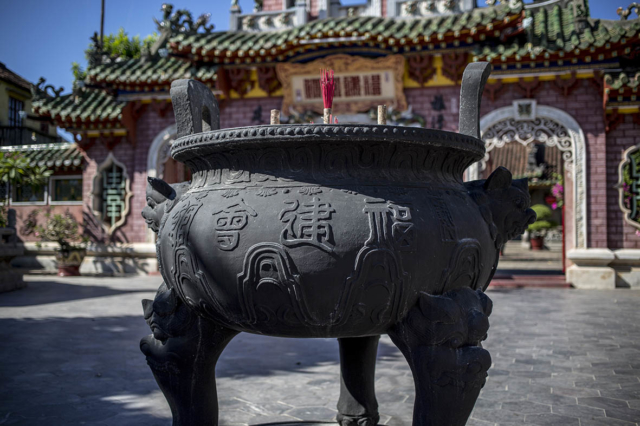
(45,292)
(90,370)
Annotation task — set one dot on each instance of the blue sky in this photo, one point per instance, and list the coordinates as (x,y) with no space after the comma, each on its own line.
(42,37)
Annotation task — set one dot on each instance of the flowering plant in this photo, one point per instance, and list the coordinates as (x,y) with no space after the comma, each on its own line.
(558,192)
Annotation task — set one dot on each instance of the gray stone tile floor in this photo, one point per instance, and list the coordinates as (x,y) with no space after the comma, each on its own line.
(69,356)
(519,259)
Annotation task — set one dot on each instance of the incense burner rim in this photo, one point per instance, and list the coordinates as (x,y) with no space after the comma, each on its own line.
(285,134)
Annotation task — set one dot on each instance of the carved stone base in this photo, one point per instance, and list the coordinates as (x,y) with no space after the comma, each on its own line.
(440,338)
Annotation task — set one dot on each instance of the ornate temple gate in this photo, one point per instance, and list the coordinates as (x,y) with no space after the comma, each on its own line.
(526,122)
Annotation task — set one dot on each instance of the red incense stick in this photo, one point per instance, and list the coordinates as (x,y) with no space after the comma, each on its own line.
(328,85)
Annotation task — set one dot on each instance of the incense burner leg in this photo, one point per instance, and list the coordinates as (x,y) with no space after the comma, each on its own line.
(357,404)
(440,338)
(182,353)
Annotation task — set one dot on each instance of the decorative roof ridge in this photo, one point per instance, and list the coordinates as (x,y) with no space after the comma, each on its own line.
(39,147)
(513,5)
(622,79)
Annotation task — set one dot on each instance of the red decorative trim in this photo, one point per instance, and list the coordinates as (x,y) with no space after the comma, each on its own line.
(111,141)
(598,81)
(240,80)
(528,88)
(267,79)
(453,65)
(222,82)
(130,114)
(612,120)
(565,86)
(495,90)
(421,69)
(161,107)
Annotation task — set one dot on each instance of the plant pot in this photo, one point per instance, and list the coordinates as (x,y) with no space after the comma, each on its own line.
(69,262)
(537,243)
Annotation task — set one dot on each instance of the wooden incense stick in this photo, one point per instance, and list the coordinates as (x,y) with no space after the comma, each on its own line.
(382,114)
(327,116)
(275,116)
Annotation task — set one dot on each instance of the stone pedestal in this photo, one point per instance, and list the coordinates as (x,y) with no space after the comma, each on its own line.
(591,269)
(627,266)
(10,278)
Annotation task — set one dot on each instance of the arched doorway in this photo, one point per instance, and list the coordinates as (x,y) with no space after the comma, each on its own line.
(528,124)
(161,165)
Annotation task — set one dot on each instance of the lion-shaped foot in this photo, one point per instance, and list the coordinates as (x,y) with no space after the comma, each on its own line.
(441,339)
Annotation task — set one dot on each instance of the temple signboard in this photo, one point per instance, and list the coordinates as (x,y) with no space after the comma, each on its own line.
(360,84)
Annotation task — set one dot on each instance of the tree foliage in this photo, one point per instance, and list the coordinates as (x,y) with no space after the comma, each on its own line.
(114,47)
(16,169)
(122,46)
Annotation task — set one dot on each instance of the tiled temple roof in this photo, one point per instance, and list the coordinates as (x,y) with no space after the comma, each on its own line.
(623,81)
(52,155)
(136,74)
(514,37)
(85,106)
(621,89)
(385,33)
(554,32)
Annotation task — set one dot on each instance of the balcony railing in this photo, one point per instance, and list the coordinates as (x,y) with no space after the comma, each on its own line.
(24,136)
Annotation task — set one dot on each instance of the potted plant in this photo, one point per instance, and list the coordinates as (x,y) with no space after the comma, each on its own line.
(538,229)
(63,229)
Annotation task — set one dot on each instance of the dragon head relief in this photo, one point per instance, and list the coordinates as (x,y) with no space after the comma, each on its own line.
(161,197)
(451,327)
(504,204)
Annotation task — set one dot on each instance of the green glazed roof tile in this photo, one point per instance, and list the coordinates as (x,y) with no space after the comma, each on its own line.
(555,29)
(52,155)
(375,26)
(622,81)
(135,71)
(88,104)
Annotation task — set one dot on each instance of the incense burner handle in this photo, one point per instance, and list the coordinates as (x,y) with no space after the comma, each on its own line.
(473,80)
(195,108)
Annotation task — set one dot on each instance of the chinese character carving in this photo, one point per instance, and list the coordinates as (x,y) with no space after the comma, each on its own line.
(307,223)
(229,221)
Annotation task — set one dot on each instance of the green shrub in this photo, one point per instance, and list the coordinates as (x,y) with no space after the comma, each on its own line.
(543,222)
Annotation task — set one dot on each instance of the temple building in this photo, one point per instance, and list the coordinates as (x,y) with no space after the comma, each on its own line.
(561,106)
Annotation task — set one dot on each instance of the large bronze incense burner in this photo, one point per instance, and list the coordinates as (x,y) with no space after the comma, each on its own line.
(346,231)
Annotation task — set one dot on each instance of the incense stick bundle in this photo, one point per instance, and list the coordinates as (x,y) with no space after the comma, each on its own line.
(328,85)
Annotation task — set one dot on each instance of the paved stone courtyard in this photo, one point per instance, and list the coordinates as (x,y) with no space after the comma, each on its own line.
(69,356)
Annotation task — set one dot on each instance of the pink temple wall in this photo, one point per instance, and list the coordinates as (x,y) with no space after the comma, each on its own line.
(584,105)
(624,136)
